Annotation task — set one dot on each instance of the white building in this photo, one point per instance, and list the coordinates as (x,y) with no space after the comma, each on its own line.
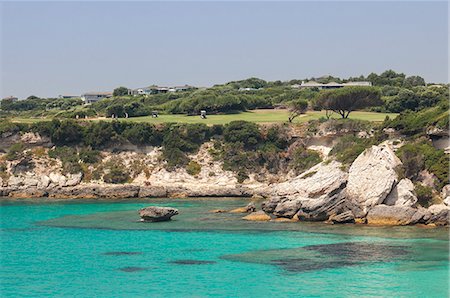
(91,97)
(330,85)
(11,98)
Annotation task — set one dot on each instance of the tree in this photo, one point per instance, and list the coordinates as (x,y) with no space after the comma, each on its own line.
(347,99)
(120,91)
(32,97)
(413,81)
(296,108)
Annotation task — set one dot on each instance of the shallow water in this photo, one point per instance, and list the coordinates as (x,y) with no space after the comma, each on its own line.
(99,248)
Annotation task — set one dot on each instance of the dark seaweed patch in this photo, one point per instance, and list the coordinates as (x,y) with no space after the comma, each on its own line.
(132,269)
(192,262)
(360,252)
(121,253)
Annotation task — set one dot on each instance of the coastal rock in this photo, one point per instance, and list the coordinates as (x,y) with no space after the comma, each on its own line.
(344,217)
(89,191)
(57,179)
(44,181)
(257,216)
(402,194)
(394,215)
(15,182)
(30,192)
(440,215)
(272,203)
(322,179)
(154,213)
(447,201)
(152,192)
(372,175)
(324,208)
(73,179)
(30,182)
(118,191)
(288,207)
(251,207)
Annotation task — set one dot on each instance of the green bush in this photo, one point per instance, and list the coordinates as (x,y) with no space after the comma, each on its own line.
(349,147)
(116,172)
(15,151)
(421,155)
(303,159)
(193,168)
(243,132)
(424,195)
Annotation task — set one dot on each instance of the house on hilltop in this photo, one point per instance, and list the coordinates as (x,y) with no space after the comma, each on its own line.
(11,98)
(91,97)
(158,89)
(330,85)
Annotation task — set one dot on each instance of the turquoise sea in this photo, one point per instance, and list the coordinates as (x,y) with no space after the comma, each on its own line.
(100,249)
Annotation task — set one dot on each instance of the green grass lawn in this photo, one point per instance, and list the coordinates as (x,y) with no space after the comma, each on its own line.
(258,116)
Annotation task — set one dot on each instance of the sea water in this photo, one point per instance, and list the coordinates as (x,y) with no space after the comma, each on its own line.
(100,249)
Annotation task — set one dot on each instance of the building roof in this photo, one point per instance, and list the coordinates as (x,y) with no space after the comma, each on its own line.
(10,97)
(331,84)
(98,93)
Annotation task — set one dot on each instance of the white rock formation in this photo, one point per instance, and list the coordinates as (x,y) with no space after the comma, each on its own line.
(372,175)
(319,180)
(402,194)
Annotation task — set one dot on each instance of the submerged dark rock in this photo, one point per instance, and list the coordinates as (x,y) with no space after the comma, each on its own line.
(192,262)
(154,213)
(360,252)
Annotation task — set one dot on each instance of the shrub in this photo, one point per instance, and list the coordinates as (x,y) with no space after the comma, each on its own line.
(193,168)
(243,132)
(349,147)
(424,195)
(303,159)
(421,155)
(116,172)
(15,151)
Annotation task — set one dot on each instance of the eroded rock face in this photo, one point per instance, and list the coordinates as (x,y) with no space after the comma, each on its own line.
(394,215)
(344,217)
(154,213)
(322,179)
(288,207)
(402,194)
(372,175)
(152,192)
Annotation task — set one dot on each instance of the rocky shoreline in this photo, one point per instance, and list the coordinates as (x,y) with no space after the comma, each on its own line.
(369,191)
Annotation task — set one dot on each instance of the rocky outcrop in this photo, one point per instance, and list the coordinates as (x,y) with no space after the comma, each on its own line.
(288,207)
(372,175)
(257,216)
(322,179)
(152,192)
(251,207)
(395,215)
(342,218)
(402,194)
(155,214)
(439,215)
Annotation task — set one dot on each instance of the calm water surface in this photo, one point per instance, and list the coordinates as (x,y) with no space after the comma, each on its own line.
(100,249)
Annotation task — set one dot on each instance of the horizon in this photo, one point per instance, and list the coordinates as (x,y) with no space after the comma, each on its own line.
(51,52)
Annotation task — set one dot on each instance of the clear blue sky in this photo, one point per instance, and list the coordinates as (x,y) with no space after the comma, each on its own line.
(51,48)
